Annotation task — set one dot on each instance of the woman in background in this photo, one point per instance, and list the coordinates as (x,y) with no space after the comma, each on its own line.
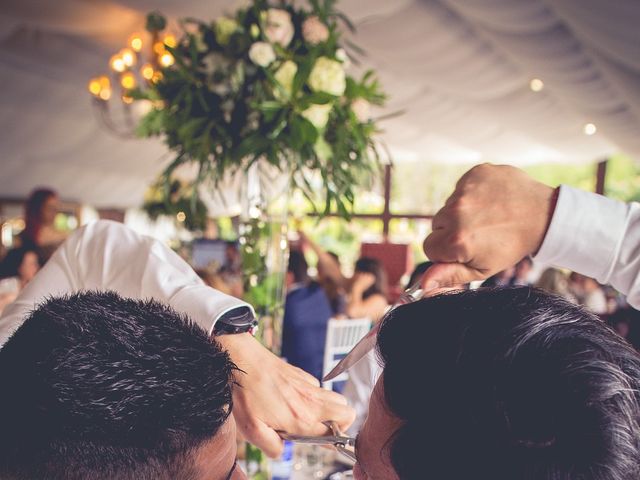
(16,270)
(368,292)
(40,233)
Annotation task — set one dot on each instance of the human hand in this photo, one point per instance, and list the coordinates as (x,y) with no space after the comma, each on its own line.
(496,216)
(362,281)
(272,395)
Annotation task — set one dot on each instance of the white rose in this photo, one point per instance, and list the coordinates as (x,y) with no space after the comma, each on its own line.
(314,31)
(361,109)
(318,115)
(262,53)
(284,76)
(279,28)
(328,76)
(343,56)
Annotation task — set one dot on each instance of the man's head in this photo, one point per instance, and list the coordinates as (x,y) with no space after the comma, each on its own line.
(502,384)
(297,268)
(98,386)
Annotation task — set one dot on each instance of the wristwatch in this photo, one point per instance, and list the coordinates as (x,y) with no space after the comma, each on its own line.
(237,320)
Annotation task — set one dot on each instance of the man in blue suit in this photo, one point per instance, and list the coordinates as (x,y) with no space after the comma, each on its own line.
(306,314)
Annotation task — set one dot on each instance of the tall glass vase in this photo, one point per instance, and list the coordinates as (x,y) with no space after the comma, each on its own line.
(263,245)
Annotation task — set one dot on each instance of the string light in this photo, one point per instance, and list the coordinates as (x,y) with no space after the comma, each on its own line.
(105,94)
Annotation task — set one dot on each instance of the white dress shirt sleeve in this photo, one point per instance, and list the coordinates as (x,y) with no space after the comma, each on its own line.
(598,237)
(109,256)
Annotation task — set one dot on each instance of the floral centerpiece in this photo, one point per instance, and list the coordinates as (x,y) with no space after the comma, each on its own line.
(268,83)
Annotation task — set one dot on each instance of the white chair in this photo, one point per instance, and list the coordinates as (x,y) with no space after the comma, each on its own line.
(342,336)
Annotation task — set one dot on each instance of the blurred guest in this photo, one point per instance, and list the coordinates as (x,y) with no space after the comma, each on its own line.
(22,263)
(330,275)
(40,213)
(522,274)
(368,294)
(16,270)
(231,271)
(306,315)
(500,279)
(589,293)
(556,281)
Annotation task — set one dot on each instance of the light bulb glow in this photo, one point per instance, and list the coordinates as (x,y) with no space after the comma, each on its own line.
(147,71)
(117,64)
(104,81)
(127,99)
(135,42)
(157,76)
(105,94)
(589,129)
(128,80)
(166,60)
(170,40)
(536,84)
(158,48)
(128,57)
(94,86)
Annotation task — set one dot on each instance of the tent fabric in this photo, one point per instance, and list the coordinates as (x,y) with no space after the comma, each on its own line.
(459,71)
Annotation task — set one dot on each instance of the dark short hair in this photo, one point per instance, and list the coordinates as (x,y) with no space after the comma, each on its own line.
(508,384)
(298,266)
(99,386)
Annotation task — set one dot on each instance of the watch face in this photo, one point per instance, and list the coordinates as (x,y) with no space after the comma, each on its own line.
(238,320)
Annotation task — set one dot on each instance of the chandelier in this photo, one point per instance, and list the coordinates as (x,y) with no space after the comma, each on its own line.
(134,66)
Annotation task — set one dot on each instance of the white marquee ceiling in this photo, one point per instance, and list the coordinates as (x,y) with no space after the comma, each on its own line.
(460,70)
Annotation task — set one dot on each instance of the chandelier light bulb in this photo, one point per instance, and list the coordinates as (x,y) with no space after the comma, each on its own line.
(128,81)
(158,48)
(105,94)
(170,40)
(166,60)
(147,71)
(104,81)
(536,85)
(128,57)
(117,64)
(94,87)
(127,99)
(589,129)
(135,42)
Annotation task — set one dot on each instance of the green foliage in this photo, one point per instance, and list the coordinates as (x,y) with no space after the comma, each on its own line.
(223,108)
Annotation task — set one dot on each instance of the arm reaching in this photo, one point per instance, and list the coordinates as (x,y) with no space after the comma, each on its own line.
(108,256)
(498,215)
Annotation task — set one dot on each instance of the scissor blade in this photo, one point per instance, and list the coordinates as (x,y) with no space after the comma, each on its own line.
(364,346)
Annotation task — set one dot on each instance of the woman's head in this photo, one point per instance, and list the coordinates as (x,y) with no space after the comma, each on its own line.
(41,209)
(375,268)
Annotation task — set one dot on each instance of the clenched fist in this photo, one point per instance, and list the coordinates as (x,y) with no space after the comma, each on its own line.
(496,216)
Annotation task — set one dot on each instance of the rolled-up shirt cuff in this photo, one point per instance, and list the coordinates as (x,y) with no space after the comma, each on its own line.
(585,233)
(205,305)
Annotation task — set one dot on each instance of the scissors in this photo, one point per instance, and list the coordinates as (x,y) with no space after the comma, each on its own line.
(368,342)
(343,444)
